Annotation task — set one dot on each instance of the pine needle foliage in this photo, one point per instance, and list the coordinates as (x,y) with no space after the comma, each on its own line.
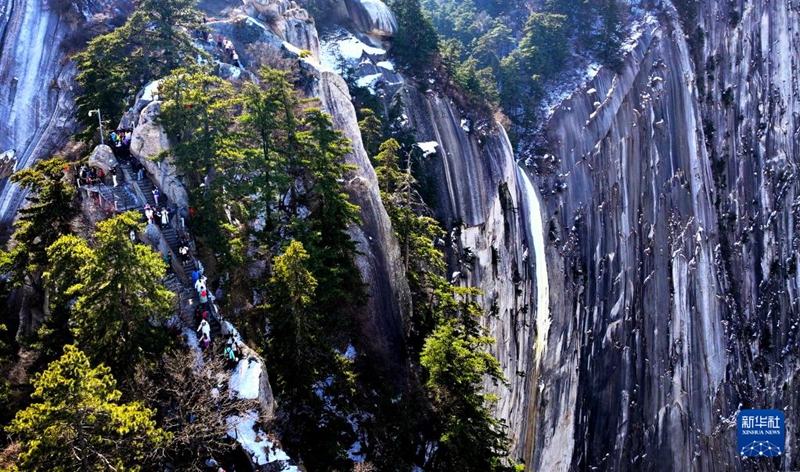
(77,422)
(117,290)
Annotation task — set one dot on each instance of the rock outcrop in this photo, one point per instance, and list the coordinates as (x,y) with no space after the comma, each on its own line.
(379,259)
(480,200)
(37,103)
(296,27)
(289,22)
(103,157)
(148,140)
(372,17)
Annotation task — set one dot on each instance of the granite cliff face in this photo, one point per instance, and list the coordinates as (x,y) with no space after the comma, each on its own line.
(671,252)
(485,204)
(37,100)
(642,290)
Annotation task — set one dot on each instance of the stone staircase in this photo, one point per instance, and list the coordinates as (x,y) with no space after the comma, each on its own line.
(146,185)
(124,197)
(187,297)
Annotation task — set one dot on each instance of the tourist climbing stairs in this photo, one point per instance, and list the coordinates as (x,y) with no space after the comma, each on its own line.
(146,186)
(187,297)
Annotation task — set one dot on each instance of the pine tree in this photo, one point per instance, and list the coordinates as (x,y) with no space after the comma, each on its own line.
(371,131)
(416,231)
(544,45)
(269,108)
(416,41)
(456,361)
(79,424)
(325,233)
(292,325)
(313,381)
(153,42)
(197,112)
(118,291)
(47,216)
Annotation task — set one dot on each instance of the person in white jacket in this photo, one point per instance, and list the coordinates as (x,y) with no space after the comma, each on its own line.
(204,329)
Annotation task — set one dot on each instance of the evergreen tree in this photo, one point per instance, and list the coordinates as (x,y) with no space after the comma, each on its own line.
(456,361)
(371,131)
(45,219)
(313,381)
(493,46)
(292,327)
(608,38)
(325,233)
(197,111)
(416,232)
(152,42)
(269,109)
(118,292)
(416,41)
(168,43)
(79,424)
(544,45)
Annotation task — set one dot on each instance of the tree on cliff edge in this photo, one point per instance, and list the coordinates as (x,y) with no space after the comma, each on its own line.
(416,41)
(117,288)
(456,360)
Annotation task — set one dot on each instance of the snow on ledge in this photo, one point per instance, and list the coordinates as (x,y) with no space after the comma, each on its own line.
(428,147)
(245,379)
(255,442)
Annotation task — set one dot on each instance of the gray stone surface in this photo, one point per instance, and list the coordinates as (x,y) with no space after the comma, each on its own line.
(148,140)
(103,157)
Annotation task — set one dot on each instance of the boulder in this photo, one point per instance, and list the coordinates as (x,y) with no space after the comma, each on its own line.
(148,140)
(103,158)
(149,137)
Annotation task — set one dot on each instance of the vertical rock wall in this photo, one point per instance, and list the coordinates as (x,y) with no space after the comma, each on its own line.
(36,100)
(672,250)
(478,193)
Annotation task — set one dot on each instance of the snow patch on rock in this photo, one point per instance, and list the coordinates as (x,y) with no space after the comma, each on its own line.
(245,378)
(256,443)
(428,147)
(340,49)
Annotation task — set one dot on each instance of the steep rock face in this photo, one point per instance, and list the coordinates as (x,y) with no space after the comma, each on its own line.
(36,104)
(480,198)
(148,140)
(289,22)
(380,262)
(379,259)
(671,251)
(372,17)
(297,28)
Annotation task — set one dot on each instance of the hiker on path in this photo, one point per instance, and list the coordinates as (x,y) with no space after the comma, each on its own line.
(204,329)
(164,217)
(155,195)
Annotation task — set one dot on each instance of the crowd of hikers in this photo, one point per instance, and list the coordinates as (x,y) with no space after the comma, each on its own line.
(159,214)
(227,50)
